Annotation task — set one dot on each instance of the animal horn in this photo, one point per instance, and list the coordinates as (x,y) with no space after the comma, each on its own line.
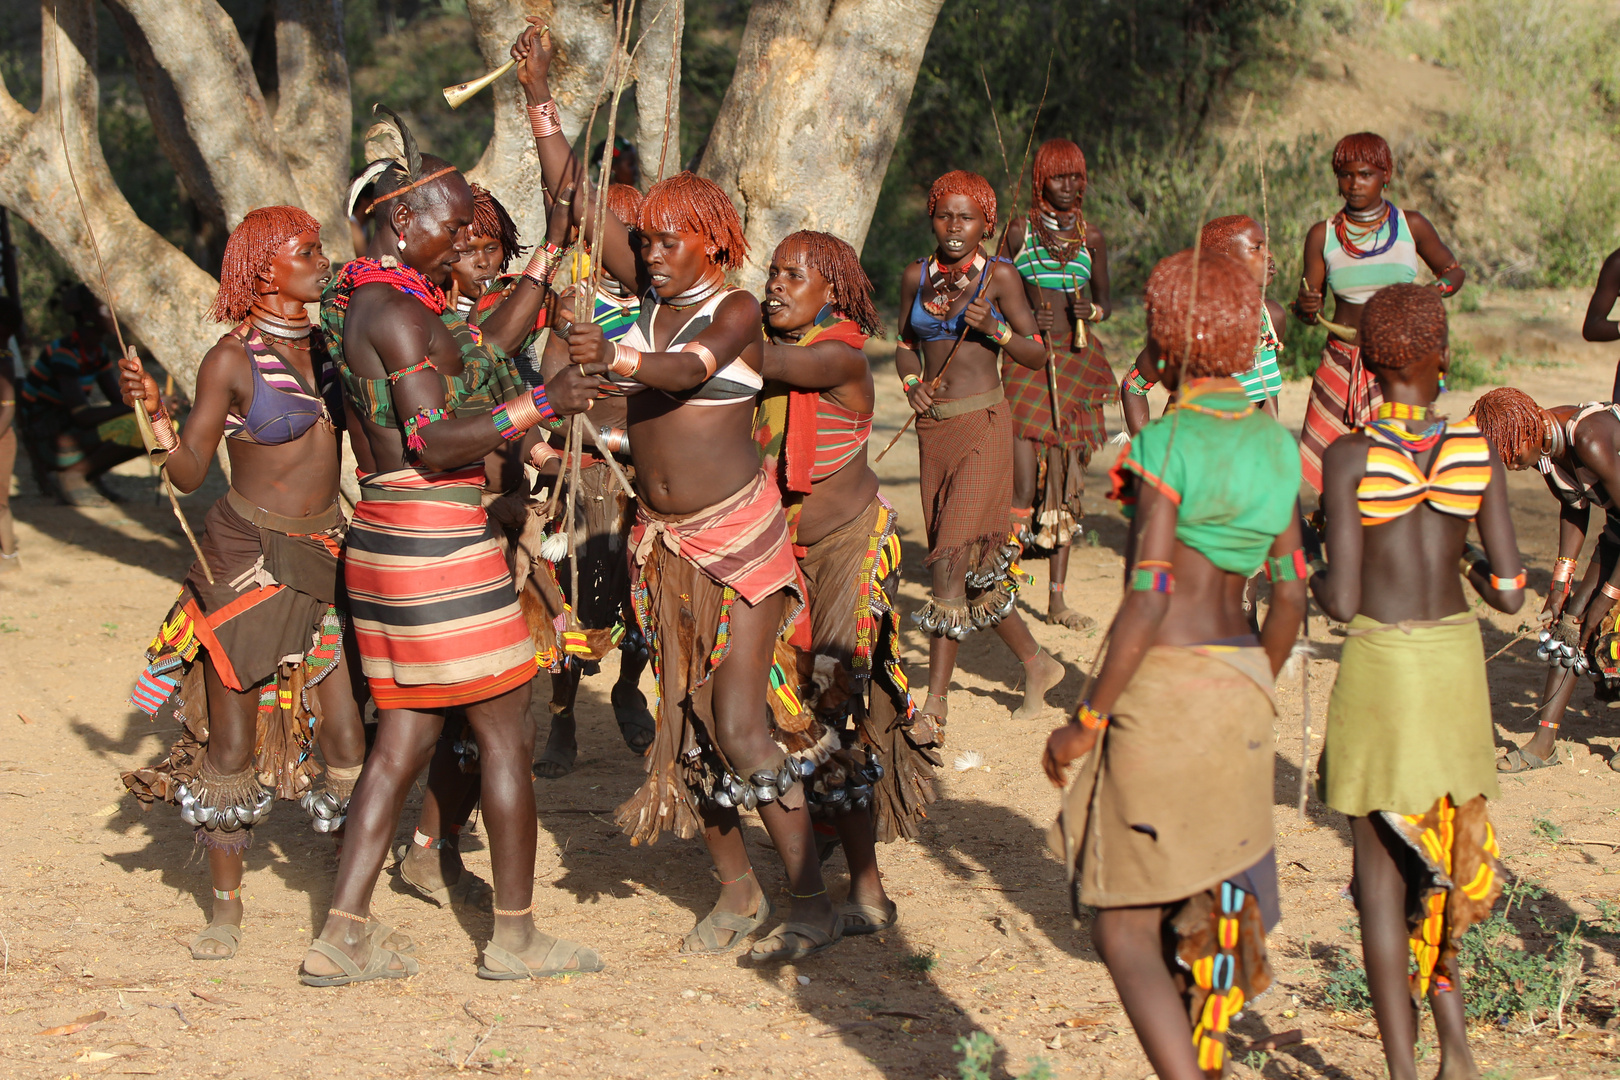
(457,95)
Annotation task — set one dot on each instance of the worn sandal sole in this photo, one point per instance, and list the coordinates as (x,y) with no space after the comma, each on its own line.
(224,935)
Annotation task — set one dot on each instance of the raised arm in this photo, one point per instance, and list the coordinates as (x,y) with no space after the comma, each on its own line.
(1338,588)
(559,169)
(1598,325)
(507,327)
(734,334)
(1101,295)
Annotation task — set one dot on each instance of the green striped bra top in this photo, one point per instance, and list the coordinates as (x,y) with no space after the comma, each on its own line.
(1037,266)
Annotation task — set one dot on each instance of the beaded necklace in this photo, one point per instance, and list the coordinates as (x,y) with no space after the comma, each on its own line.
(1063,248)
(1189,391)
(1365,226)
(949,284)
(1398,410)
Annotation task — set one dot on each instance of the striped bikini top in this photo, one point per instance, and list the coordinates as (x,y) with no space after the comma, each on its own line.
(282,409)
(1580,488)
(1392,259)
(1395,485)
(734,382)
(615,315)
(840,434)
(1037,266)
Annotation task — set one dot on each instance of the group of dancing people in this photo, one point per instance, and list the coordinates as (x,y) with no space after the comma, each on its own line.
(654,461)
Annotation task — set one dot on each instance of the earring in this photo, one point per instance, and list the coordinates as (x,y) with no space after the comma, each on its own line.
(826,310)
(1442,382)
(402,243)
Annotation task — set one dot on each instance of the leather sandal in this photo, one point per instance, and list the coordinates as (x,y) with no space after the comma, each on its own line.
(226,934)
(865,919)
(703,939)
(1521,760)
(814,940)
(378,965)
(380,934)
(557,958)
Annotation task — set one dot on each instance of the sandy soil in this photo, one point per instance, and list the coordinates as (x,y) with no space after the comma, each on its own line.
(98,899)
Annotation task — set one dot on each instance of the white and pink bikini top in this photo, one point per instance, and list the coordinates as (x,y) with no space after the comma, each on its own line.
(732,383)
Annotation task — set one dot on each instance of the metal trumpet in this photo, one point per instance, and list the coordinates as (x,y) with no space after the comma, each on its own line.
(457,95)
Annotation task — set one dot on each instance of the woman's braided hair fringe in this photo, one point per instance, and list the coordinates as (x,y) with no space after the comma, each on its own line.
(1367,147)
(688,203)
(624,203)
(974,186)
(836,261)
(1219,237)
(491,220)
(1509,418)
(1214,333)
(1056,157)
(249,252)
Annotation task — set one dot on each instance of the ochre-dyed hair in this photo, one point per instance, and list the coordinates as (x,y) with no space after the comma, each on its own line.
(248,254)
(1401,325)
(974,186)
(1219,237)
(688,203)
(1509,418)
(491,219)
(624,203)
(1223,316)
(1056,157)
(836,261)
(1367,147)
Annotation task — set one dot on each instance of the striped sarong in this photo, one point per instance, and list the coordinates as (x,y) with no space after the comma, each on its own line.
(741,541)
(1344,396)
(435,614)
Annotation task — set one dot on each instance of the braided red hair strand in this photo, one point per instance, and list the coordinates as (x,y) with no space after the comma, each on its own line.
(249,252)
(688,203)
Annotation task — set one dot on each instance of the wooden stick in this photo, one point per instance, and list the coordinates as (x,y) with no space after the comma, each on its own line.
(570,507)
(613,466)
(1305,719)
(143,421)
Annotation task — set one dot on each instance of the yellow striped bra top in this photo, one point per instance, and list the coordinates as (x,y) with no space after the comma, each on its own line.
(1394,484)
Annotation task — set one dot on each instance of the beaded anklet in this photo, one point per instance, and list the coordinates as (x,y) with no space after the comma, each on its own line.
(733,881)
(228,894)
(345,915)
(807,896)
(515,914)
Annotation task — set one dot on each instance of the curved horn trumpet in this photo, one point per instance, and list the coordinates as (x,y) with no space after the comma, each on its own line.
(458,94)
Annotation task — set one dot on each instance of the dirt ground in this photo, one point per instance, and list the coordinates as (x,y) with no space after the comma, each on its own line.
(98,899)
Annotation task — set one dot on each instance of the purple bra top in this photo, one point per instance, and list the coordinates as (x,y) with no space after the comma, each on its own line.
(283,408)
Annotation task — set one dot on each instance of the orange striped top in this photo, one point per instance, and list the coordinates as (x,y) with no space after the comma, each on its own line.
(1394,484)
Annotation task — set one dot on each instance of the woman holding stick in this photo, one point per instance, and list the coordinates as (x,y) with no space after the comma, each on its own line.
(1367,245)
(959,311)
(1059,254)
(1409,744)
(716,586)
(1168,828)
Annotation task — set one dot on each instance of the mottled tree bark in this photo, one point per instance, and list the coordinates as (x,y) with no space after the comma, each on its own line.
(658,89)
(160,294)
(314,113)
(584,33)
(812,114)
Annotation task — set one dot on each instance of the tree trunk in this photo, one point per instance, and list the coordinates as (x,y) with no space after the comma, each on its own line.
(314,113)
(198,82)
(812,114)
(585,40)
(159,293)
(658,89)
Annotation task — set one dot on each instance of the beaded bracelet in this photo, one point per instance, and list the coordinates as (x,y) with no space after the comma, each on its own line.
(910,382)
(1037,339)
(1148,577)
(543,264)
(163,431)
(1003,334)
(626,360)
(1514,582)
(414,425)
(544,119)
(1087,717)
(1293,567)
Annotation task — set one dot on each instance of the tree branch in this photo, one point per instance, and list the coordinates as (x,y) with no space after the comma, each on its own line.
(314,113)
(658,95)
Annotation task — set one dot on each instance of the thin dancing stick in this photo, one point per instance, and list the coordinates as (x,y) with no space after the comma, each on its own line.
(142,421)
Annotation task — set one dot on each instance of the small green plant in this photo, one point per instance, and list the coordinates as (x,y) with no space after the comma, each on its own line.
(1094,538)
(1547,829)
(1518,891)
(7,628)
(1256,1060)
(1503,981)
(1468,369)
(922,962)
(978,1049)
(111,628)
(1345,989)
(1468,301)
(1608,920)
